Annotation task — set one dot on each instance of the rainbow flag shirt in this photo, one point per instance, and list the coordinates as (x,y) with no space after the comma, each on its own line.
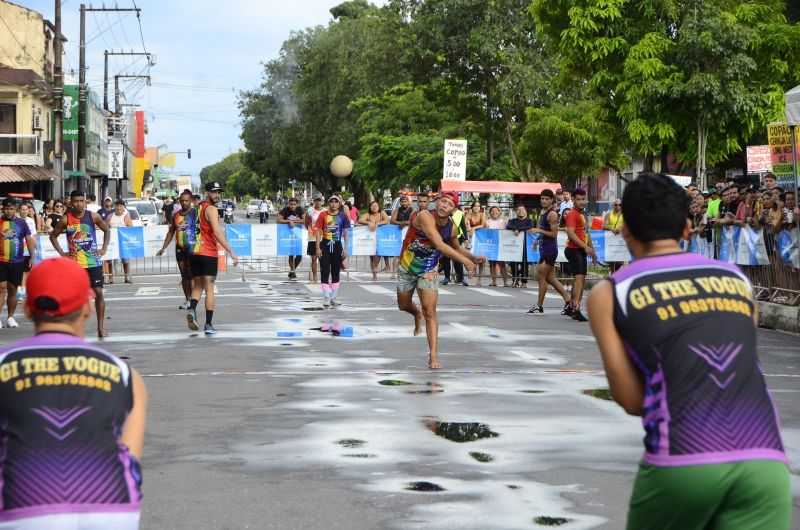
(14,231)
(332,227)
(185,229)
(419,256)
(82,240)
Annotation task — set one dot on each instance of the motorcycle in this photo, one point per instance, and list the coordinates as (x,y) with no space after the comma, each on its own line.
(228,218)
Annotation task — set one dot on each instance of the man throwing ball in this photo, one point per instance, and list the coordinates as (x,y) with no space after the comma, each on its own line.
(430,235)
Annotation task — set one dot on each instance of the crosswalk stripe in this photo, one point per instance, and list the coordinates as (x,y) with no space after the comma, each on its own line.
(489,292)
(376,289)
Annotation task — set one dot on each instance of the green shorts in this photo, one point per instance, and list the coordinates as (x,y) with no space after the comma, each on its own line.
(752,494)
(408,282)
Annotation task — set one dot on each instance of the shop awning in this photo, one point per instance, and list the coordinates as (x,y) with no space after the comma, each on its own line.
(26,174)
(78,174)
(493,186)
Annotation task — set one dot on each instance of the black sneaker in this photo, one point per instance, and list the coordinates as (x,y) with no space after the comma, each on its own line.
(292,275)
(578,316)
(567,311)
(536,309)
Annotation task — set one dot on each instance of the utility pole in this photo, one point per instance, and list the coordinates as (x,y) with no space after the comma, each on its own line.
(82,82)
(58,103)
(117,109)
(150,57)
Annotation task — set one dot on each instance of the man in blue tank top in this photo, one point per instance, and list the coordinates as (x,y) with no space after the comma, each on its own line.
(548,252)
(713,455)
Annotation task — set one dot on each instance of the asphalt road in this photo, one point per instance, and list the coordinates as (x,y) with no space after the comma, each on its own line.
(299,417)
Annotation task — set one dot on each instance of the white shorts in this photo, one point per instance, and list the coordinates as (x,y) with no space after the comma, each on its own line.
(76,521)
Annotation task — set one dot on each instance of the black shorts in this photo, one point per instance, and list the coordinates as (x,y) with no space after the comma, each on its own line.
(95,276)
(311,248)
(549,259)
(12,272)
(27,263)
(203,265)
(181,255)
(577,261)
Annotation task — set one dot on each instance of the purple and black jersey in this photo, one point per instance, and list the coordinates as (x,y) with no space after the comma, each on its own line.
(63,403)
(687,324)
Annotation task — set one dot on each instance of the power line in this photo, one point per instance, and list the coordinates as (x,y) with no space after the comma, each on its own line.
(29,56)
(139,19)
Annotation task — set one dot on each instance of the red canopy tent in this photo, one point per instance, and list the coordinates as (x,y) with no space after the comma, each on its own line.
(496,186)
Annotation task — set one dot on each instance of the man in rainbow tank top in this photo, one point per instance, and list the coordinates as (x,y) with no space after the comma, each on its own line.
(713,455)
(14,235)
(430,235)
(81,227)
(183,227)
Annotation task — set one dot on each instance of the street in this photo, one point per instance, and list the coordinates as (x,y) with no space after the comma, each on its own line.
(299,417)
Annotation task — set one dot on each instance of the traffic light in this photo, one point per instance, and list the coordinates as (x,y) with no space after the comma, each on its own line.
(189,153)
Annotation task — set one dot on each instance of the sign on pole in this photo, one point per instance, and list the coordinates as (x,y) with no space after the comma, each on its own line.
(759,159)
(455,160)
(780,145)
(116,156)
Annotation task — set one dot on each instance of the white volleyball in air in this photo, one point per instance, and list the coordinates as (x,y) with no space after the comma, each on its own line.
(341,166)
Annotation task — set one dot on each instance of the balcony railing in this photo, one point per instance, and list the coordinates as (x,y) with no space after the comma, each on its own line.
(21,150)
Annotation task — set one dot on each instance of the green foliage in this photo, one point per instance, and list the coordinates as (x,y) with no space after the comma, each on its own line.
(235,177)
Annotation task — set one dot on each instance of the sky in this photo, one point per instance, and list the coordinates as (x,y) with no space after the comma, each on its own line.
(206,53)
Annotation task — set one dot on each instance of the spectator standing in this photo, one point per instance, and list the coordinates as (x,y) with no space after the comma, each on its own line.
(292,215)
(352,211)
(70,450)
(770,182)
(444,263)
(47,209)
(401,216)
(566,204)
(91,203)
(118,219)
(372,219)
(495,222)
(168,208)
(476,219)
(50,222)
(28,214)
(107,209)
(520,224)
(263,212)
(613,223)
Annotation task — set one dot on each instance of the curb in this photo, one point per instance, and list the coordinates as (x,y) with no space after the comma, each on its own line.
(779,317)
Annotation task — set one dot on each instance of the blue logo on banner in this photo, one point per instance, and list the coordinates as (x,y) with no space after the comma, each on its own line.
(131,241)
(290,240)
(486,243)
(240,238)
(727,250)
(389,240)
(599,243)
(533,256)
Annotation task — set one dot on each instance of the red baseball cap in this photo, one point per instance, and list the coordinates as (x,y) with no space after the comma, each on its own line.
(58,287)
(451,194)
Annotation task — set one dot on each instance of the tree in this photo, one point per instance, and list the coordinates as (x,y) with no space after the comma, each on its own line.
(669,70)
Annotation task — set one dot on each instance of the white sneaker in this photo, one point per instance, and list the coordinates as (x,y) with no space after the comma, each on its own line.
(335,302)
(11,323)
(185,305)
(326,302)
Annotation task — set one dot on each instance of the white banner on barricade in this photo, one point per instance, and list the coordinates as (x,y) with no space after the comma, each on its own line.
(364,241)
(265,240)
(46,248)
(510,247)
(789,246)
(751,249)
(616,250)
(112,252)
(154,237)
(729,244)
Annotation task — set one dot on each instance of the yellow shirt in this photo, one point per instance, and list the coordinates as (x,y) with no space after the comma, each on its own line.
(614,221)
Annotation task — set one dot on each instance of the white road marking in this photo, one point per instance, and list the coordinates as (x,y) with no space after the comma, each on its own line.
(376,289)
(528,357)
(148,291)
(462,327)
(314,287)
(445,291)
(490,292)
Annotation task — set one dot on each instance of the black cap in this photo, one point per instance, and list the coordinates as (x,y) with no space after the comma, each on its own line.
(119,201)
(214,186)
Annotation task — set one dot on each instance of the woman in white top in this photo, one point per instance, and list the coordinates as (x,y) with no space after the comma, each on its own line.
(118,219)
(498,223)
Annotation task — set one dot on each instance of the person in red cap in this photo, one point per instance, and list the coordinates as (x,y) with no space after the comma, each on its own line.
(72,416)
(430,235)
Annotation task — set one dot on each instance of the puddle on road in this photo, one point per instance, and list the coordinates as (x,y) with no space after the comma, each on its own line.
(336,330)
(312,308)
(424,486)
(532,391)
(361,455)
(483,458)
(351,443)
(546,520)
(599,393)
(460,432)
